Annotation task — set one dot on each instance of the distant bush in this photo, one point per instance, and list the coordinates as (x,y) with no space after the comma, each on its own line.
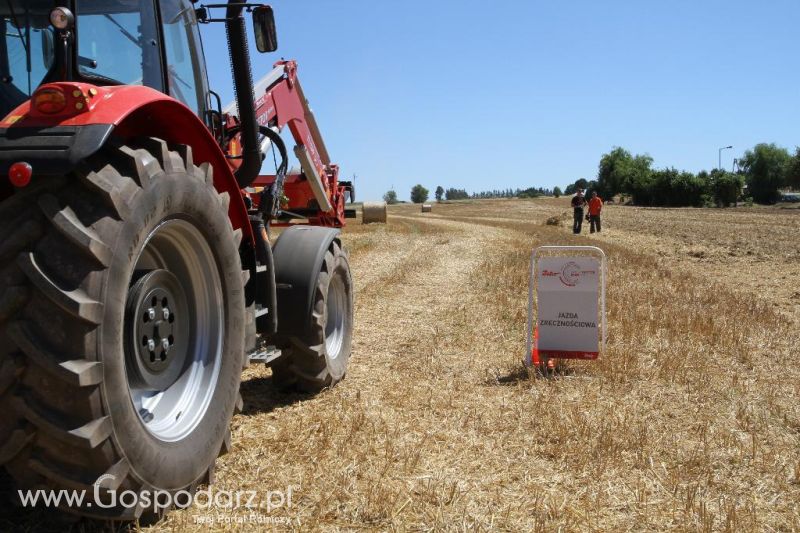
(529,193)
(670,188)
(726,187)
(767,167)
(793,170)
(456,194)
(390,197)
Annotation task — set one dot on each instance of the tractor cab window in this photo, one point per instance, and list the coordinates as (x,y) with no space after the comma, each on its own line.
(185,72)
(118,42)
(26,50)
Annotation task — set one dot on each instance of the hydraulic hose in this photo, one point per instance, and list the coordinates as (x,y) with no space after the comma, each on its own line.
(270,198)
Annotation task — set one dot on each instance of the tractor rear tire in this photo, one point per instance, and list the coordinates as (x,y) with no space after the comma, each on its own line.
(136,241)
(318,360)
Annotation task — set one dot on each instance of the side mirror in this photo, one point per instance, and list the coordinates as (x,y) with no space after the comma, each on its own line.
(264,25)
(48,47)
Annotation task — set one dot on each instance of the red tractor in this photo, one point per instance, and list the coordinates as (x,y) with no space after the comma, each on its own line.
(137,274)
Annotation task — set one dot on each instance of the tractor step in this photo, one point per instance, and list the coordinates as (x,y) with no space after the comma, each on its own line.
(266,355)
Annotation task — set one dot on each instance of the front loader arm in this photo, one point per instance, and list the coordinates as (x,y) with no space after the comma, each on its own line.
(291,109)
(280,102)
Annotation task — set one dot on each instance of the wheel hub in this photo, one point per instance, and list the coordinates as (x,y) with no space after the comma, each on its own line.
(158,340)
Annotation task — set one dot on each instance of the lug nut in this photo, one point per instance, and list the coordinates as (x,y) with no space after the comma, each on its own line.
(151,345)
(166,313)
(151,313)
(146,415)
(165,344)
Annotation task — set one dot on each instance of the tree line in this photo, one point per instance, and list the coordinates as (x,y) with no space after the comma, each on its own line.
(762,172)
(419,194)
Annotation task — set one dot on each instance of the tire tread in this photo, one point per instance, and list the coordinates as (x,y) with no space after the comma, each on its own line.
(305,365)
(34,429)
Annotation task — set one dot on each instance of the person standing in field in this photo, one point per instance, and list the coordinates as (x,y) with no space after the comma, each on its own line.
(578,201)
(595,206)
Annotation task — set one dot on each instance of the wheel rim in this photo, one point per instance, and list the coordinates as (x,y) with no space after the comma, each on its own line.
(335,322)
(176,293)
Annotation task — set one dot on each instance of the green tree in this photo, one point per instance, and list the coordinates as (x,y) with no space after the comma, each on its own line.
(613,170)
(765,168)
(726,187)
(581,183)
(439,193)
(672,188)
(619,172)
(793,171)
(641,187)
(557,191)
(390,197)
(687,189)
(419,194)
(456,194)
(531,192)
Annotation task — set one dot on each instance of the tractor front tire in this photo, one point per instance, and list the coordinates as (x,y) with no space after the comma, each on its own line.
(121,328)
(319,359)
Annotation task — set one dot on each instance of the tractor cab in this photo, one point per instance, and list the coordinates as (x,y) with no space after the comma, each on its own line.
(129,42)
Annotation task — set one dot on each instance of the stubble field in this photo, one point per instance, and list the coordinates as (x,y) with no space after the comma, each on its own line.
(690,420)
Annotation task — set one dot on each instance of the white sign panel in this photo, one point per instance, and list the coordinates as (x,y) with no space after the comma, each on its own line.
(567,304)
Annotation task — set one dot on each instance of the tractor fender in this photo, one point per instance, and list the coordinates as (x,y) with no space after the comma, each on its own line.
(124,112)
(299,253)
(173,122)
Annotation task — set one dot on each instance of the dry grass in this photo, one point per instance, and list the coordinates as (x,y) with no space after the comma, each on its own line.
(691,420)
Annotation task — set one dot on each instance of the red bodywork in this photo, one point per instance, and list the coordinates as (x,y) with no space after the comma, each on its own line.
(137,111)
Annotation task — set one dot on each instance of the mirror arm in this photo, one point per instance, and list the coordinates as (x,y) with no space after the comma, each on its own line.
(202,11)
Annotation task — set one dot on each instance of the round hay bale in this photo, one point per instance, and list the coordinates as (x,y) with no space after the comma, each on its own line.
(374,212)
(427,208)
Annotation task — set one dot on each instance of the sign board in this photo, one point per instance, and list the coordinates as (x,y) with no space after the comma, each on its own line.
(567,302)
(570,303)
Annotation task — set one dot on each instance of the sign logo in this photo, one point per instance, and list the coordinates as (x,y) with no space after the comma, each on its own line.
(570,274)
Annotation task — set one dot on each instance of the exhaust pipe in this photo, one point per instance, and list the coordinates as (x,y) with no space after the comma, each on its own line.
(245,98)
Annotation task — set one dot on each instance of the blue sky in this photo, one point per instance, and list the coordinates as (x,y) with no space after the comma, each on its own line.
(484,95)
